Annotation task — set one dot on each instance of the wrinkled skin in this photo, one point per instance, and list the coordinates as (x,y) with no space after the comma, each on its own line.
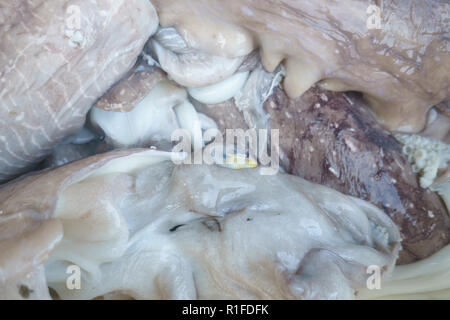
(304,35)
(332,139)
(53,70)
(139,226)
(402,68)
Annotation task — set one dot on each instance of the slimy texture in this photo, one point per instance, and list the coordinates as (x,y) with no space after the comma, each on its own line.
(151,121)
(221,91)
(332,138)
(137,224)
(402,68)
(195,68)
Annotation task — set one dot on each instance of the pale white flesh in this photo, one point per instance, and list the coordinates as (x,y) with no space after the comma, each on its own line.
(221,91)
(146,228)
(152,121)
(426,279)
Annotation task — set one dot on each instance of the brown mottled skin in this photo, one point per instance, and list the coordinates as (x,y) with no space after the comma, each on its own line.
(226,115)
(332,139)
(125,94)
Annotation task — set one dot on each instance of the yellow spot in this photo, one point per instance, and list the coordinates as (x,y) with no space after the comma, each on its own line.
(239,161)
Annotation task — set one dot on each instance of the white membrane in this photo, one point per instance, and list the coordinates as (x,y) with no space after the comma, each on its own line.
(221,91)
(426,279)
(142,226)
